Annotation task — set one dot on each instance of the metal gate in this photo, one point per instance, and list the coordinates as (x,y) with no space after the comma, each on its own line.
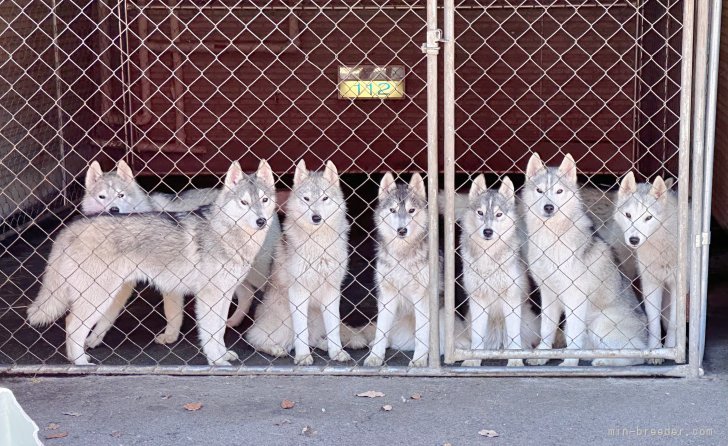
(180,89)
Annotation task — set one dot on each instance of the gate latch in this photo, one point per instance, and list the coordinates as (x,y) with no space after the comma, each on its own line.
(434,36)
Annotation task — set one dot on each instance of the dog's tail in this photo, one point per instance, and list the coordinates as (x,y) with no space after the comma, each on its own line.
(461,203)
(52,300)
(357,337)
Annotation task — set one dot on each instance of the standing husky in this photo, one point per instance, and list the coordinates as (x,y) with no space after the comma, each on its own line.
(574,269)
(494,274)
(118,192)
(647,214)
(206,254)
(309,266)
(402,266)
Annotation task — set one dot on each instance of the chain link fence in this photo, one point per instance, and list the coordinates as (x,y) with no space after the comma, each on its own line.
(123,123)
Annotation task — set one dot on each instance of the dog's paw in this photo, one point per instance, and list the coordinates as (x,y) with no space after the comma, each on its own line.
(537,361)
(230,356)
(373,361)
(83,360)
(571,362)
(472,363)
(419,362)
(341,356)
(234,321)
(655,361)
(166,338)
(515,363)
(277,351)
(94,339)
(303,359)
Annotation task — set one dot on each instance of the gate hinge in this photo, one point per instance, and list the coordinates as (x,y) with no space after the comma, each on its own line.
(702,239)
(432,46)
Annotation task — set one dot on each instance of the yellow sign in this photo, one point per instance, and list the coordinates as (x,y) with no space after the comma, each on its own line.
(371,82)
(371,89)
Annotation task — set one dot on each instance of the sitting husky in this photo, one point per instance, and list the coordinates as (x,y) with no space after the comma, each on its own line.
(647,215)
(301,305)
(118,192)
(575,271)
(494,274)
(206,254)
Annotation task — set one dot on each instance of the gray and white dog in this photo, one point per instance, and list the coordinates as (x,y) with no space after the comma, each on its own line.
(494,273)
(206,254)
(648,216)
(574,269)
(402,266)
(301,306)
(119,192)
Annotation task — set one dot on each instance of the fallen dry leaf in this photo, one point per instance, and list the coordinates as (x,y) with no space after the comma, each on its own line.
(308,431)
(72,414)
(386,407)
(116,434)
(287,404)
(193,406)
(57,435)
(488,433)
(447,444)
(53,426)
(416,396)
(370,394)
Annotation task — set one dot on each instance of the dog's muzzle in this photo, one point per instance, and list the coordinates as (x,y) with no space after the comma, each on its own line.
(316,219)
(548,209)
(634,241)
(261,222)
(488,233)
(114,210)
(401,232)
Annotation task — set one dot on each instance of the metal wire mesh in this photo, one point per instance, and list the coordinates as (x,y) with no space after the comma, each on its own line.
(167,94)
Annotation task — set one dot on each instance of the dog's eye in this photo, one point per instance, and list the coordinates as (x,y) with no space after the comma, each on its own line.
(264,200)
(648,218)
(480,212)
(243,202)
(539,190)
(120,195)
(628,215)
(306,199)
(560,191)
(499,215)
(392,210)
(412,211)
(324,198)
(102,197)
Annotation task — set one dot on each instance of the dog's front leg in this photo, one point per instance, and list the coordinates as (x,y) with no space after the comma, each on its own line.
(212,308)
(299,299)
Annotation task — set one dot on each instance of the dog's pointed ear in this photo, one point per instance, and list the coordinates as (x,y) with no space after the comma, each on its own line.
(417,184)
(234,175)
(659,188)
(265,174)
(628,185)
(535,166)
(93,174)
(669,183)
(567,169)
(331,173)
(124,171)
(478,187)
(301,173)
(507,189)
(387,185)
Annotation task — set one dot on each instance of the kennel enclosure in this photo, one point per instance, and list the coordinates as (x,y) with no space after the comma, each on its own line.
(181,88)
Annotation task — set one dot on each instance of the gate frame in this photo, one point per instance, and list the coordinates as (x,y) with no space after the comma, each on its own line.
(699,86)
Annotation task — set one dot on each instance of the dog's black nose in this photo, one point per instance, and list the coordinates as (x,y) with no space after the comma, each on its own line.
(114,210)
(549,208)
(316,218)
(488,233)
(401,232)
(261,222)
(634,240)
